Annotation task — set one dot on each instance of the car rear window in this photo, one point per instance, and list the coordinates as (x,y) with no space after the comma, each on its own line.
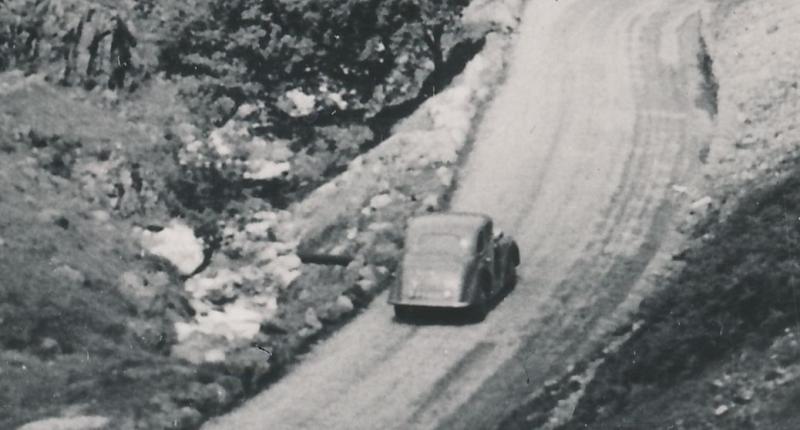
(441,244)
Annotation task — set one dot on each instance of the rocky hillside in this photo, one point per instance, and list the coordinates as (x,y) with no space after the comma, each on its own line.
(151,244)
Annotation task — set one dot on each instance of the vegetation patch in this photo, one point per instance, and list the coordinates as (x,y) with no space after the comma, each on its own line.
(741,287)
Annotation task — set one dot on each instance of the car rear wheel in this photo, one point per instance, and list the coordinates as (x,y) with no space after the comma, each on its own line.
(510,276)
(514,253)
(477,312)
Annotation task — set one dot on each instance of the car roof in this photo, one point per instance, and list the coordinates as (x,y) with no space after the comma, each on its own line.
(458,223)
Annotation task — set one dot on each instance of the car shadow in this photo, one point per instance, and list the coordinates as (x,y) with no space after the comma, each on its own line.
(432,316)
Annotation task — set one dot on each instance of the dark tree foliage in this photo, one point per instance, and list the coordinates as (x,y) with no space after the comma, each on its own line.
(366,51)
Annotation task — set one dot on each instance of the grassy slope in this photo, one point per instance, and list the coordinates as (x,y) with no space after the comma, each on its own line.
(105,346)
(738,291)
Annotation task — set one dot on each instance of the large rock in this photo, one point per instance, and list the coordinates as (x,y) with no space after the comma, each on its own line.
(177,244)
(86,422)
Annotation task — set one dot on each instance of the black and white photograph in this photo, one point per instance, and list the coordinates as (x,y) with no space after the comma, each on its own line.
(399,214)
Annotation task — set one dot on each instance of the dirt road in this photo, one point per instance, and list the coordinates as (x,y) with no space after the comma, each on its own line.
(576,157)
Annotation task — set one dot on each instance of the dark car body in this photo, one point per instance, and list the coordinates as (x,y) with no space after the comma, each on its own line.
(453,260)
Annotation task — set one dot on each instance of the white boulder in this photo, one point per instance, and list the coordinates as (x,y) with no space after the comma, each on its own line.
(262,170)
(380,201)
(303,104)
(177,244)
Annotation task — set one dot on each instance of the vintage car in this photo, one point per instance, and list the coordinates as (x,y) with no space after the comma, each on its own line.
(453,260)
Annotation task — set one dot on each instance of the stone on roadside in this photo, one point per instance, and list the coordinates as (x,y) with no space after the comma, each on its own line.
(342,306)
(431,202)
(380,201)
(445,176)
(312,320)
(368,279)
(366,286)
(85,422)
(262,170)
